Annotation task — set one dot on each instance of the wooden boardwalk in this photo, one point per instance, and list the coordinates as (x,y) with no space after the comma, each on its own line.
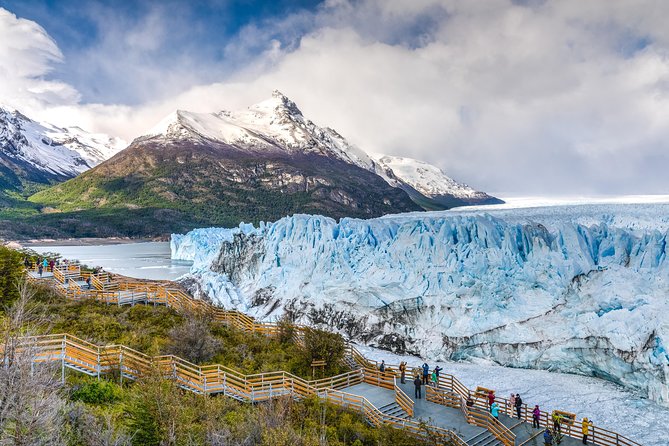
(379,397)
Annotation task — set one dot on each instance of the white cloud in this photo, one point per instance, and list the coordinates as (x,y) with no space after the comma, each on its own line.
(27,54)
(533,98)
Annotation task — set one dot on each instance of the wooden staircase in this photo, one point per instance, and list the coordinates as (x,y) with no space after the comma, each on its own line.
(84,357)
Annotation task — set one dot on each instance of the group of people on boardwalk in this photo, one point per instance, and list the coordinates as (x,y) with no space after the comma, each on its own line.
(552,436)
(43,264)
(424,371)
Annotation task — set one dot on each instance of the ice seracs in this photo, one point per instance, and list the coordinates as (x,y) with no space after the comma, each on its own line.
(529,292)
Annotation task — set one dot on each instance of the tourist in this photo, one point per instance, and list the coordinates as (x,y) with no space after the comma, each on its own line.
(51,265)
(494,410)
(536,416)
(437,369)
(40,269)
(548,437)
(382,367)
(470,401)
(585,428)
(403,370)
(88,282)
(426,373)
(491,398)
(556,422)
(417,382)
(45,263)
(434,378)
(512,404)
(519,405)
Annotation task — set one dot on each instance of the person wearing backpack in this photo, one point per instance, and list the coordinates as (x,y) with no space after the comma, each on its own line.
(548,437)
(494,410)
(417,382)
(426,373)
(403,370)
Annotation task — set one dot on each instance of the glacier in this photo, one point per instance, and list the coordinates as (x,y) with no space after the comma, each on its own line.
(533,289)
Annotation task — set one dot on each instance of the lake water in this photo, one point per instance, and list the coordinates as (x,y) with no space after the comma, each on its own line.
(146,260)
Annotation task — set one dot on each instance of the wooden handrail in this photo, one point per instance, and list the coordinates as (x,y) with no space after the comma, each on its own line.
(161,293)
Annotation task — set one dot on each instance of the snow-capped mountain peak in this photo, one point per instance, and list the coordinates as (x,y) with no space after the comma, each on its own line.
(52,150)
(429,180)
(276,124)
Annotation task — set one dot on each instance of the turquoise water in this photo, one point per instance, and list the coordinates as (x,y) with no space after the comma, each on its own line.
(146,260)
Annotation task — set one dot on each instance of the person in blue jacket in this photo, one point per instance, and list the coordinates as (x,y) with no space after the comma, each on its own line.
(494,410)
(548,437)
(426,374)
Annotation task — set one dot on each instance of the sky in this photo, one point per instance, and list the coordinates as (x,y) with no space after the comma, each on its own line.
(514,97)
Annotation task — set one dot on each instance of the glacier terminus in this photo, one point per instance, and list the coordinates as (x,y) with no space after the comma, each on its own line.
(571,289)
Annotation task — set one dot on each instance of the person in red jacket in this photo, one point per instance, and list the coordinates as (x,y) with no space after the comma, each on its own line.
(491,398)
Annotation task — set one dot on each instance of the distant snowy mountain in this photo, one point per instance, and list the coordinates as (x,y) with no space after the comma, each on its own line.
(432,182)
(274,125)
(42,153)
(534,290)
(259,164)
(278,125)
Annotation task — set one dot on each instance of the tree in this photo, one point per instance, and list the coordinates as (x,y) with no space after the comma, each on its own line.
(193,341)
(31,405)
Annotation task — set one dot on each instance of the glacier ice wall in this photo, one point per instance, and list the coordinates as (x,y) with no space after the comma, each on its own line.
(561,296)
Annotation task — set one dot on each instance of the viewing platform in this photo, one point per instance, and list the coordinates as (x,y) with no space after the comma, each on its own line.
(378,396)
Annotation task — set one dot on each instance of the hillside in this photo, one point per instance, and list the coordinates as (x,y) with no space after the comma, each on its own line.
(219,169)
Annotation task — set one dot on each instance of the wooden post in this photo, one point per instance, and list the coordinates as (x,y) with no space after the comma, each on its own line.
(62,361)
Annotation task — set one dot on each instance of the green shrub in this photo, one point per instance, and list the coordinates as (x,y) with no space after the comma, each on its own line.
(97,392)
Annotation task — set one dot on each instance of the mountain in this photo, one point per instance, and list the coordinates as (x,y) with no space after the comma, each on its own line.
(435,189)
(578,289)
(36,153)
(197,169)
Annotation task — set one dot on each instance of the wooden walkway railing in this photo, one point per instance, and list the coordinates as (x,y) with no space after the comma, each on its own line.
(160,293)
(377,418)
(77,354)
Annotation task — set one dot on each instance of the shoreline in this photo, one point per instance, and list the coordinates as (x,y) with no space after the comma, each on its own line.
(85,241)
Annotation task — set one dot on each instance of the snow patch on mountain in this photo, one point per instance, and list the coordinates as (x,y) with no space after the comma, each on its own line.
(429,180)
(541,293)
(277,124)
(274,124)
(61,151)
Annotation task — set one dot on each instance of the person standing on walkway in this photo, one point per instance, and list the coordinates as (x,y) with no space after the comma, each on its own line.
(434,378)
(519,405)
(417,382)
(548,437)
(494,410)
(585,428)
(51,265)
(382,367)
(437,370)
(40,269)
(536,416)
(426,373)
(556,422)
(403,371)
(45,263)
(512,404)
(491,398)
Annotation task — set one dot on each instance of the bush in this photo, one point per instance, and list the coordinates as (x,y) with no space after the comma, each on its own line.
(324,345)
(11,272)
(97,392)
